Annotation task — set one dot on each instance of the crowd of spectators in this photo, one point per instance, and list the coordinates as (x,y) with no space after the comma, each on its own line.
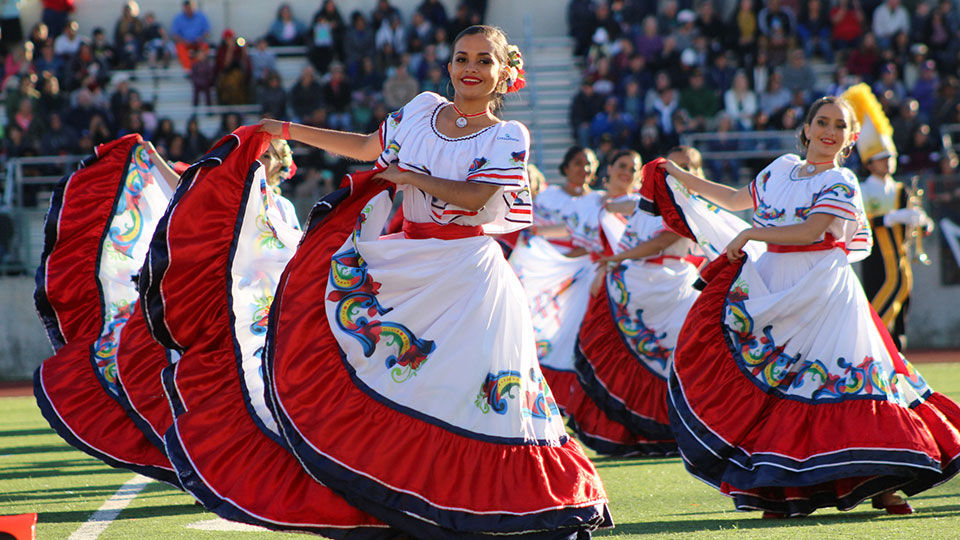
(66,90)
(654,70)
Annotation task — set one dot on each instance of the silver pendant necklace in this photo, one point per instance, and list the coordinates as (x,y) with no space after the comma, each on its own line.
(461,120)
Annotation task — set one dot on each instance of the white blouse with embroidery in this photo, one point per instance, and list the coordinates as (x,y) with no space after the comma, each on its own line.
(494,155)
(782,197)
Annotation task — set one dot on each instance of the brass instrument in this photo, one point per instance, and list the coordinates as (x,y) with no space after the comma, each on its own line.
(913,236)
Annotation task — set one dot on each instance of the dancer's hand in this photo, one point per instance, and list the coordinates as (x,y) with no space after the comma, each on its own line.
(735,247)
(671,168)
(271,126)
(393,174)
(598,280)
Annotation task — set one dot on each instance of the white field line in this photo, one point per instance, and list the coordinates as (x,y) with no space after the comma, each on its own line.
(100,519)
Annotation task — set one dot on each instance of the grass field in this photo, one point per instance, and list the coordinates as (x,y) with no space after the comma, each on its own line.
(650,498)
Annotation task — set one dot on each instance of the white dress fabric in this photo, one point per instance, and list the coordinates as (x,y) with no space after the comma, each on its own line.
(417,298)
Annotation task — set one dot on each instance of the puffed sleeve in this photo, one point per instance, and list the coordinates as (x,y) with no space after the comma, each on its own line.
(392,128)
(839,196)
(505,162)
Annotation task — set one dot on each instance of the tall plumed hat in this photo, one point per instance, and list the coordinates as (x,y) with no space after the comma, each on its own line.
(876,133)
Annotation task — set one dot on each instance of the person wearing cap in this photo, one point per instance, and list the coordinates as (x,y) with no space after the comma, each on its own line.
(189,30)
(886,274)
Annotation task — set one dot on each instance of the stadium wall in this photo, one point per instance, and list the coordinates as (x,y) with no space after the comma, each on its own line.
(23,341)
(251,19)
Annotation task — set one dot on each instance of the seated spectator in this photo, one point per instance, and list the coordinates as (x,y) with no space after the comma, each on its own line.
(774,97)
(840,81)
(286,30)
(434,12)
(614,124)
(797,74)
(925,90)
(84,69)
(420,28)
(132,123)
(720,74)
(632,100)
(128,53)
(709,25)
(369,79)
(18,63)
(28,121)
(164,132)
(759,72)
(602,77)
(158,50)
(233,71)
(921,153)
(382,14)
(649,43)
(59,139)
(203,75)
(778,26)
(189,30)
(195,143)
(889,18)
(664,105)
(441,42)
(427,61)
(437,82)
(586,104)
(321,46)
(120,98)
(888,87)
(68,43)
(684,32)
(669,58)
(814,29)
(744,19)
(740,103)
(51,98)
(229,123)
(101,48)
(399,88)
(700,102)
(863,60)
(392,34)
(262,61)
(338,95)
(332,15)
(846,20)
(636,71)
(14,145)
(176,152)
(38,36)
(99,130)
(649,145)
(273,98)
(128,23)
(667,12)
(358,42)
(787,120)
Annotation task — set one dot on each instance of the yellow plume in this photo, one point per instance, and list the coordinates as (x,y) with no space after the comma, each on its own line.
(876,131)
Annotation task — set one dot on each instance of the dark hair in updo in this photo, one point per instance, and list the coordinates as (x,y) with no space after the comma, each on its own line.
(499,39)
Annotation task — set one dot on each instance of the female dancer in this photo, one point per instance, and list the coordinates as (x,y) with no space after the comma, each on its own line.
(403,369)
(788,341)
(627,338)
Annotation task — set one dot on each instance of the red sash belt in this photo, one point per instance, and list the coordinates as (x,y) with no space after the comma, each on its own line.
(420,231)
(828,243)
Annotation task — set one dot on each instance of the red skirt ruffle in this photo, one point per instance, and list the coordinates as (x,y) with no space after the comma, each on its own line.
(616,380)
(67,386)
(221,454)
(804,455)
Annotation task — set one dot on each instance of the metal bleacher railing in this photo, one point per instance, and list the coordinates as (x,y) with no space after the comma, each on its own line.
(27,185)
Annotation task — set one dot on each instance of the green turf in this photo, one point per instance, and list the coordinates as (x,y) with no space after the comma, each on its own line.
(650,498)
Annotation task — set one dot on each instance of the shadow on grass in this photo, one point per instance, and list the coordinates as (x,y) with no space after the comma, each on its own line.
(48,469)
(26,432)
(102,491)
(752,520)
(166,510)
(614,462)
(44,449)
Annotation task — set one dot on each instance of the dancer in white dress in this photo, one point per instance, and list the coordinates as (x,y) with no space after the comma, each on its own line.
(393,357)
(786,338)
